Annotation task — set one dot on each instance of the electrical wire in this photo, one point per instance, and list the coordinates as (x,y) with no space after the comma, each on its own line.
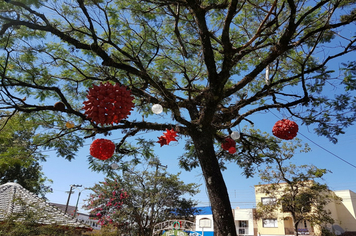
(321,146)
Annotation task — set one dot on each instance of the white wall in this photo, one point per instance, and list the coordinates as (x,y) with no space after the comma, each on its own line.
(245,215)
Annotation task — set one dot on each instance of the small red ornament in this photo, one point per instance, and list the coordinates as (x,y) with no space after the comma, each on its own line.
(102,149)
(108,104)
(170,135)
(228,143)
(162,140)
(232,150)
(285,129)
(167,137)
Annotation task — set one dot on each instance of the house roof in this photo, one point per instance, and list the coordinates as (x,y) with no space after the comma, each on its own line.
(203,210)
(15,199)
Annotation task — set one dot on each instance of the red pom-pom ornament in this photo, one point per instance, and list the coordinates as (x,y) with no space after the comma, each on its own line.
(102,149)
(285,129)
(108,104)
(229,145)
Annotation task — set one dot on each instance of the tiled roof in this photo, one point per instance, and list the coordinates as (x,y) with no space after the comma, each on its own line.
(11,194)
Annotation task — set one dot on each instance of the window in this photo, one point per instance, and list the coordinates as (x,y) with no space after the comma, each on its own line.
(268,200)
(243,227)
(204,223)
(269,223)
(243,223)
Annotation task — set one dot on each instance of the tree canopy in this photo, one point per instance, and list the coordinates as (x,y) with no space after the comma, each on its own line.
(19,158)
(212,65)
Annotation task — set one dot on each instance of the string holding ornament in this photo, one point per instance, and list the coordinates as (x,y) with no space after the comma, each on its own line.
(108,103)
(102,149)
(285,129)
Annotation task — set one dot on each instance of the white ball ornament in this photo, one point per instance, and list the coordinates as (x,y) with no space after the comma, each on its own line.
(157,109)
(114,166)
(235,135)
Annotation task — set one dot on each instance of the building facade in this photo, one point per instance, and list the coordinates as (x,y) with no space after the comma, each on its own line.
(281,223)
(343,213)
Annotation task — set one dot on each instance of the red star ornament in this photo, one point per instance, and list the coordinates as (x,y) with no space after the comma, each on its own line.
(170,135)
(162,140)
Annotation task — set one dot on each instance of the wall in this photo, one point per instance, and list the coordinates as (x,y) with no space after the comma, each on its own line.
(344,213)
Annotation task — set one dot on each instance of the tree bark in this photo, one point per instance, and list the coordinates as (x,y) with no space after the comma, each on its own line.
(222,213)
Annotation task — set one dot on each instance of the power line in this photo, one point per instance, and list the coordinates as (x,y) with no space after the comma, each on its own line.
(328,151)
(322,146)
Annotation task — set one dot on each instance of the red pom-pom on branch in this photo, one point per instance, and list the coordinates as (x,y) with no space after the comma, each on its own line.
(285,129)
(229,145)
(102,149)
(108,104)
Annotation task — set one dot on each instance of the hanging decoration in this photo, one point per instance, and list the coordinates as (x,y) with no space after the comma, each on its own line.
(167,137)
(102,149)
(162,140)
(108,104)
(285,129)
(229,145)
(114,166)
(235,135)
(70,124)
(157,109)
(59,106)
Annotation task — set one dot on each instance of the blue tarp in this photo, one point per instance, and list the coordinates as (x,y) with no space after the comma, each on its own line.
(203,211)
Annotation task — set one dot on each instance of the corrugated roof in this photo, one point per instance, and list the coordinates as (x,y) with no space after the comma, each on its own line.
(15,199)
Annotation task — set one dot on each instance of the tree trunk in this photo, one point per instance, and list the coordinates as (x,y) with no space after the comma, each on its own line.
(222,213)
(296,229)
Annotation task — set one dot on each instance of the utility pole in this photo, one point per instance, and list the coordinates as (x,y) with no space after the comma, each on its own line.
(70,192)
(76,206)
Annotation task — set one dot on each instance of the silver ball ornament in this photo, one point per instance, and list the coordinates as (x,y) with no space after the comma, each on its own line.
(235,135)
(114,166)
(157,109)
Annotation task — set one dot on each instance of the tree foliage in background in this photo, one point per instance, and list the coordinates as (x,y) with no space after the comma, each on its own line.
(212,65)
(295,191)
(141,197)
(19,158)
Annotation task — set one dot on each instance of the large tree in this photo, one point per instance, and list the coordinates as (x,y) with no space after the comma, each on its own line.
(138,198)
(19,157)
(212,65)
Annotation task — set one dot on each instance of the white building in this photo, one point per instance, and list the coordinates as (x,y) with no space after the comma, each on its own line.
(244,222)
